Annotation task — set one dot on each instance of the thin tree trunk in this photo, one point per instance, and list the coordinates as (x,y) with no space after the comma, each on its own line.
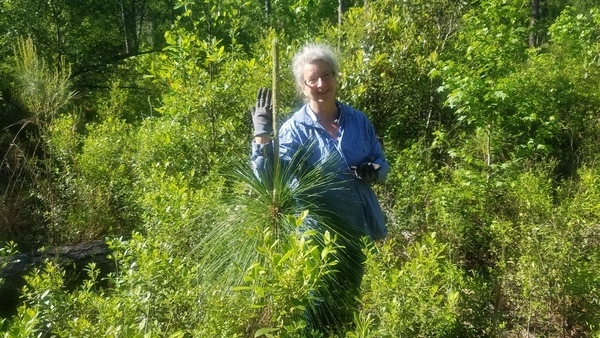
(138,35)
(129,15)
(535,15)
(340,12)
(123,18)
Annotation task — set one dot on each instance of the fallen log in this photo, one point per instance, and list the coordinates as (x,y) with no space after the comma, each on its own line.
(72,258)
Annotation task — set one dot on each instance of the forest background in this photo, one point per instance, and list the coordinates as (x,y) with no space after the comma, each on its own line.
(128,121)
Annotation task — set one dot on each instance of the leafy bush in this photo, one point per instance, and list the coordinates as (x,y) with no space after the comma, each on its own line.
(286,285)
(545,257)
(414,292)
(156,291)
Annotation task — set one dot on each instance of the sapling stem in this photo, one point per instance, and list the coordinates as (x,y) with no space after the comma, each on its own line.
(274,98)
(276,169)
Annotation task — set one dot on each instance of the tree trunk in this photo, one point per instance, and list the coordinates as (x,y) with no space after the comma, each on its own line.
(535,15)
(267,8)
(340,12)
(72,258)
(140,24)
(125,33)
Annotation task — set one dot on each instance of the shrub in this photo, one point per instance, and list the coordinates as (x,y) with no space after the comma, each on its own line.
(413,291)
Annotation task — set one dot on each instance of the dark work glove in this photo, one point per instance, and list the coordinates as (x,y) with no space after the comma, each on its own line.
(368,171)
(262,113)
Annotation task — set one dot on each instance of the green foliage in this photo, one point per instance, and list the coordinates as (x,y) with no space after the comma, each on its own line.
(24,324)
(583,26)
(283,287)
(155,291)
(388,59)
(417,295)
(297,19)
(546,257)
(509,109)
(136,303)
(264,203)
(493,146)
(207,95)
(7,250)
(411,183)
(474,74)
(174,209)
(42,91)
(91,178)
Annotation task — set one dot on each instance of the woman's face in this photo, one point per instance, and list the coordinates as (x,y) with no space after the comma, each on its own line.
(319,82)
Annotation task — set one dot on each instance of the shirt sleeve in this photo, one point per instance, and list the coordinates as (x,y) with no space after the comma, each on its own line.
(379,158)
(377,155)
(261,154)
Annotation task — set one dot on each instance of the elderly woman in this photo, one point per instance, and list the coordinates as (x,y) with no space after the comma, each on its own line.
(345,133)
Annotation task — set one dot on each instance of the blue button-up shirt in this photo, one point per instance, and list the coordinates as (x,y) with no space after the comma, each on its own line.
(356,143)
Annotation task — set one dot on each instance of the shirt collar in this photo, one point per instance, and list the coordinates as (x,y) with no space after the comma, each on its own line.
(313,115)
